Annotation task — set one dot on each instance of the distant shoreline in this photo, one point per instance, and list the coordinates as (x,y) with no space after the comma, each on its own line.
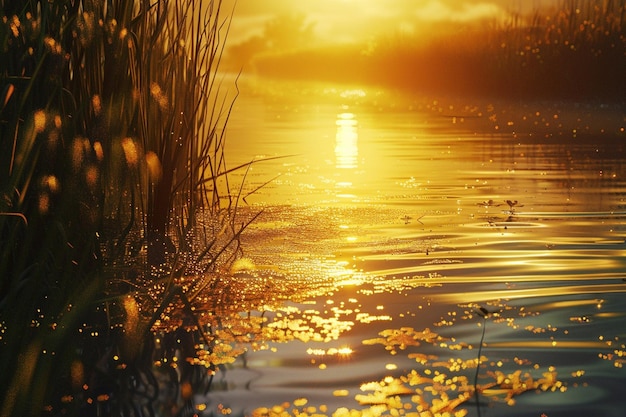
(575,52)
(555,118)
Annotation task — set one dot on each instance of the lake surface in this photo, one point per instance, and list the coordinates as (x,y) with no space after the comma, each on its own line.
(391,221)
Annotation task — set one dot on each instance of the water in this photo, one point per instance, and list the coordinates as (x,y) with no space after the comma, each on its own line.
(396,219)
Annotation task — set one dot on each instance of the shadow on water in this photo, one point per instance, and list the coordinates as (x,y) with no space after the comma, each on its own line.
(395,229)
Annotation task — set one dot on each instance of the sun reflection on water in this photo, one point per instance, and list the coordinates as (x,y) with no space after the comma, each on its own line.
(346,141)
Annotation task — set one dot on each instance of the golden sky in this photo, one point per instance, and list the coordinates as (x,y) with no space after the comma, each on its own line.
(352,20)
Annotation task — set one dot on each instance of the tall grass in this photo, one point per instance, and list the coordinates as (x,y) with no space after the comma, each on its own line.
(116,212)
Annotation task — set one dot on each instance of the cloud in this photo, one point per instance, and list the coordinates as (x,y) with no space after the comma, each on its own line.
(439,11)
(344,20)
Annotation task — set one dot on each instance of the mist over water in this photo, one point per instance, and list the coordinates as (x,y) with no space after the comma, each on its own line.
(406,216)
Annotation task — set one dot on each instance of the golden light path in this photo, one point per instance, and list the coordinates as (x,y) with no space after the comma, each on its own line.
(346,141)
(534,270)
(533,292)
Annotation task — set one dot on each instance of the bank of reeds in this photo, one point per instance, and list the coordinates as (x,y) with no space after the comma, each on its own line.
(576,50)
(116,215)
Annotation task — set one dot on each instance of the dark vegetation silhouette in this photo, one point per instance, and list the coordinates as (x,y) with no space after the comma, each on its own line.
(114,194)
